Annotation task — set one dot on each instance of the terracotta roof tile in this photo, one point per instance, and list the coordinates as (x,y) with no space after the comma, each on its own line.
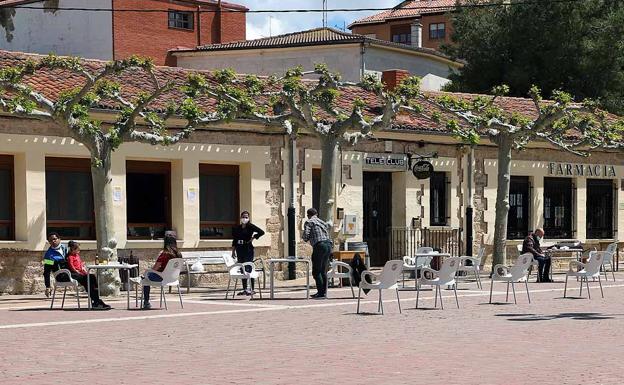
(408,9)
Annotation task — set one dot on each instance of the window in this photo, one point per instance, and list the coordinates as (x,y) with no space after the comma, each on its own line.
(437,31)
(218,199)
(148,191)
(599,208)
(518,219)
(402,34)
(182,20)
(6,198)
(69,198)
(316,188)
(437,200)
(558,208)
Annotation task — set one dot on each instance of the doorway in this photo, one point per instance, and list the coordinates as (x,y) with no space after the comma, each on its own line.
(377,215)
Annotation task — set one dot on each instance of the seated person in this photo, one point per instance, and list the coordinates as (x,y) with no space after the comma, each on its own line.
(53,259)
(170,251)
(79,273)
(531,245)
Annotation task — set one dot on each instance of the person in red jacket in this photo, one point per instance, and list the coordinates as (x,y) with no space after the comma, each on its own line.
(79,273)
(170,251)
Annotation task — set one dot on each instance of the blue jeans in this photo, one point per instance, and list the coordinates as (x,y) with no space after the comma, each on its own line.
(146,289)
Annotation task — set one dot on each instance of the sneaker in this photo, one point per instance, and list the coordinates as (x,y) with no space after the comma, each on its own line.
(323,296)
(244,292)
(317,295)
(105,305)
(100,306)
(47,292)
(249,293)
(147,306)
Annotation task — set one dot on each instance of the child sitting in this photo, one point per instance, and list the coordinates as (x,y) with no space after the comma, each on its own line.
(78,272)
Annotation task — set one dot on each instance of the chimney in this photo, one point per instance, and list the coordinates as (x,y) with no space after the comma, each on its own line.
(416,34)
(392,78)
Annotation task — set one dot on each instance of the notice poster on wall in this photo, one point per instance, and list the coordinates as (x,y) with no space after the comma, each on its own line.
(117,194)
(191,194)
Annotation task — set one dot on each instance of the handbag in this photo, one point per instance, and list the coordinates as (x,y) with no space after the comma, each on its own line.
(197,267)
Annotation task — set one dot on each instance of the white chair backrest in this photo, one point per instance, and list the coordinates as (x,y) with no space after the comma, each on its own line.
(424,250)
(596,259)
(520,269)
(408,261)
(229,261)
(172,270)
(481,252)
(448,270)
(424,261)
(390,274)
(612,248)
(519,248)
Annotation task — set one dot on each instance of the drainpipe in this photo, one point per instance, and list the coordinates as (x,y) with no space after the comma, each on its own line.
(199,25)
(292,171)
(469,211)
(362,61)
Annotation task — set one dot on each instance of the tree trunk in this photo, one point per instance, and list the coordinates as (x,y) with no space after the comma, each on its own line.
(502,200)
(329,147)
(104,221)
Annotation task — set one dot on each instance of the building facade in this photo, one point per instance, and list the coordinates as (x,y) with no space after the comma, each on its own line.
(98,33)
(349,54)
(418,23)
(199,187)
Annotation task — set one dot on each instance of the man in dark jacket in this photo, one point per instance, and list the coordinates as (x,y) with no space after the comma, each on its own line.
(531,245)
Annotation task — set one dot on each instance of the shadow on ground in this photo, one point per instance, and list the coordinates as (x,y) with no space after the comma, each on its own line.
(547,317)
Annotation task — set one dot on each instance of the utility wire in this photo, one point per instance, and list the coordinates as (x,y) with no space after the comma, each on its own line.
(430,9)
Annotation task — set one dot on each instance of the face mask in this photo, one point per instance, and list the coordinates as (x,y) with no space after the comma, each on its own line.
(539,239)
(244,220)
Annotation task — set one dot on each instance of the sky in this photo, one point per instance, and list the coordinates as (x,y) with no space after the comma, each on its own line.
(258,24)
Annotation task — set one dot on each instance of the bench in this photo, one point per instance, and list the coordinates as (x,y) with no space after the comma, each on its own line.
(211,258)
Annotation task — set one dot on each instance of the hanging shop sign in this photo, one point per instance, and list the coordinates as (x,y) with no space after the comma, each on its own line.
(422,169)
(587,170)
(386,161)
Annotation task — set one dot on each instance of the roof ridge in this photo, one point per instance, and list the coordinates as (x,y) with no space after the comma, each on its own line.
(284,35)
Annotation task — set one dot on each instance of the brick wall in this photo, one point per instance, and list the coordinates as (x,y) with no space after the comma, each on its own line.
(148,34)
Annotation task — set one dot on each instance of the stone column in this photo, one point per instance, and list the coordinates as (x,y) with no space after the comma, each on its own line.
(416,34)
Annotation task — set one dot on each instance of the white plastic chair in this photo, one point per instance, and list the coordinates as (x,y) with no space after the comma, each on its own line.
(591,269)
(65,284)
(475,267)
(608,260)
(387,280)
(519,272)
(535,264)
(238,272)
(415,264)
(340,270)
(170,278)
(443,277)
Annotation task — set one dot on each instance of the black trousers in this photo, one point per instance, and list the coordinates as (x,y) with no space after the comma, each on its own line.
(82,279)
(543,268)
(244,254)
(321,253)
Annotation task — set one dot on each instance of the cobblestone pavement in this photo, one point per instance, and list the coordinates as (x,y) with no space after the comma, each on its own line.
(292,340)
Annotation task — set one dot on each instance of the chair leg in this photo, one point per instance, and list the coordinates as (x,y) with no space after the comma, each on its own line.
(440,291)
(161,297)
(565,288)
(63,303)
(417,295)
(228,288)
(581,288)
(491,288)
(513,288)
(180,295)
(477,278)
(435,304)
(612,271)
(399,300)
(604,270)
(358,305)
(507,296)
(381,302)
(78,297)
(455,290)
(600,283)
(164,298)
(526,285)
(260,288)
(351,284)
(136,295)
(53,296)
(587,283)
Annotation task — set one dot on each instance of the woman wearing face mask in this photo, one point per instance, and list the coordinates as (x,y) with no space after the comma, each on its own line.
(242,245)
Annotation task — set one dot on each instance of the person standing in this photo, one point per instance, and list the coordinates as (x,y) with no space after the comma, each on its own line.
(532,245)
(316,231)
(242,245)
(53,259)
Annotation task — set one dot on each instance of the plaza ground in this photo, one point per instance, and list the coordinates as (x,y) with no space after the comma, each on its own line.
(291,340)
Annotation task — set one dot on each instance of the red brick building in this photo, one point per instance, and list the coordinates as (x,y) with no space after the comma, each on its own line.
(419,23)
(114,29)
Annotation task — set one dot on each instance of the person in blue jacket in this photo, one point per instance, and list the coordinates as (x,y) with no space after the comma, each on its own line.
(53,259)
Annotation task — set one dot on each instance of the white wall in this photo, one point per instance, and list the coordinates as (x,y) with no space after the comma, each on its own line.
(76,33)
(379,59)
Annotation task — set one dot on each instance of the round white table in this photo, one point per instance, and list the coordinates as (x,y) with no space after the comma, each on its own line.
(109,266)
